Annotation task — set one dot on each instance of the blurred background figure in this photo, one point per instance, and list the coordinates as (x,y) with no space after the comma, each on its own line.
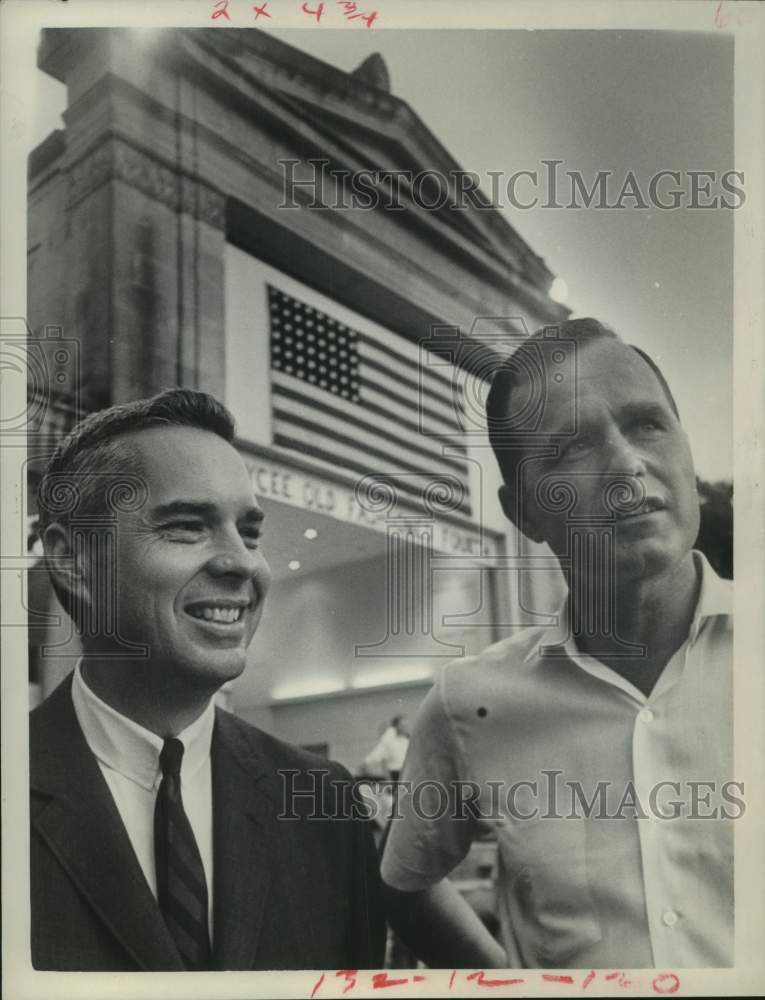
(384,762)
(387,757)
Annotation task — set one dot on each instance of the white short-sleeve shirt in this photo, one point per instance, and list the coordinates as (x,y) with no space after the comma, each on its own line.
(613,811)
(389,752)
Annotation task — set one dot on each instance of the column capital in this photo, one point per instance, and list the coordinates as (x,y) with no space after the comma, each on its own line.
(116,159)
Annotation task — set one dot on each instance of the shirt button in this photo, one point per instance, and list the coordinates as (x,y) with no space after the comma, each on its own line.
(669,917)
(645,715)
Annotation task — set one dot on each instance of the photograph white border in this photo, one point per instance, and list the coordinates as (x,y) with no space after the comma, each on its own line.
(746,21)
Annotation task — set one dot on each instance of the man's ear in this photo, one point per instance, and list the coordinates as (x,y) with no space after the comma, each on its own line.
(66,567)
(523,519)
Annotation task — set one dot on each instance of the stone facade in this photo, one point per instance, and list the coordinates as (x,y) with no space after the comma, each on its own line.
(172,146)
(171,151)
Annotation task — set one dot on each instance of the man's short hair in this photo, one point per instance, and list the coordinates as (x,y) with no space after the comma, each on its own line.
(90,460)
(515,369)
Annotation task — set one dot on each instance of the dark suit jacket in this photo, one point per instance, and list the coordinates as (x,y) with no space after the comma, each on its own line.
(289,893)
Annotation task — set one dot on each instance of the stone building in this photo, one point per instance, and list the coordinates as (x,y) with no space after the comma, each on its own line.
(198,201)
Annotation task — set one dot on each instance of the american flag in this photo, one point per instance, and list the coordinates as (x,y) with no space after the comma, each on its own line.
(356,402)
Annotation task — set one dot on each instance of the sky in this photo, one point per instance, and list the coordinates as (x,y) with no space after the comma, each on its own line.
(507,100)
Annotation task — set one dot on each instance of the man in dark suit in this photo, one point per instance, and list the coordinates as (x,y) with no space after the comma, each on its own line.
(166,833)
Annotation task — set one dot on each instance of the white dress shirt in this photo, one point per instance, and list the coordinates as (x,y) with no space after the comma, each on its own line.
(389,753)
(128,756)
(625,892)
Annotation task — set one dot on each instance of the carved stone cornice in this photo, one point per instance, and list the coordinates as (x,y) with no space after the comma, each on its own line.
(116,159)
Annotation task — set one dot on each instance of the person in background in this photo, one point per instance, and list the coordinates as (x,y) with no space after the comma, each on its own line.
(387,757)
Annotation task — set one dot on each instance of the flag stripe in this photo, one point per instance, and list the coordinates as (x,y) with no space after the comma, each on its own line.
(392,387)
(351,447)
(410,356)
(362,402)
(372,434)
(305,447)
(389,363)
(380,403)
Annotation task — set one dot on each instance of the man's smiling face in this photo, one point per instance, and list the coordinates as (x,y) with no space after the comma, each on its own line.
(626,430)
(190,574)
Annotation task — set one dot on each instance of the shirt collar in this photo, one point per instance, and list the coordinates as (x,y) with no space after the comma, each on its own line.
(124,746)
(715,595)
(715,598)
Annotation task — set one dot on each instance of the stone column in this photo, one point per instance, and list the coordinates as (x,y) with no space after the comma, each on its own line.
(145,223)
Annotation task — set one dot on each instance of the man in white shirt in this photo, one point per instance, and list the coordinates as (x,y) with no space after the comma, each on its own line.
(598,751)
(387,756)
(166,833)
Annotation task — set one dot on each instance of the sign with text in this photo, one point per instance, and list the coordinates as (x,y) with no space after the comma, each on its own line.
(310,492)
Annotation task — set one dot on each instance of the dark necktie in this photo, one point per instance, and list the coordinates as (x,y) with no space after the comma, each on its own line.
(181,886)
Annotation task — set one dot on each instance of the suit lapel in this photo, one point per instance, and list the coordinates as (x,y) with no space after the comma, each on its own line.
(244,835)
(82,827)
